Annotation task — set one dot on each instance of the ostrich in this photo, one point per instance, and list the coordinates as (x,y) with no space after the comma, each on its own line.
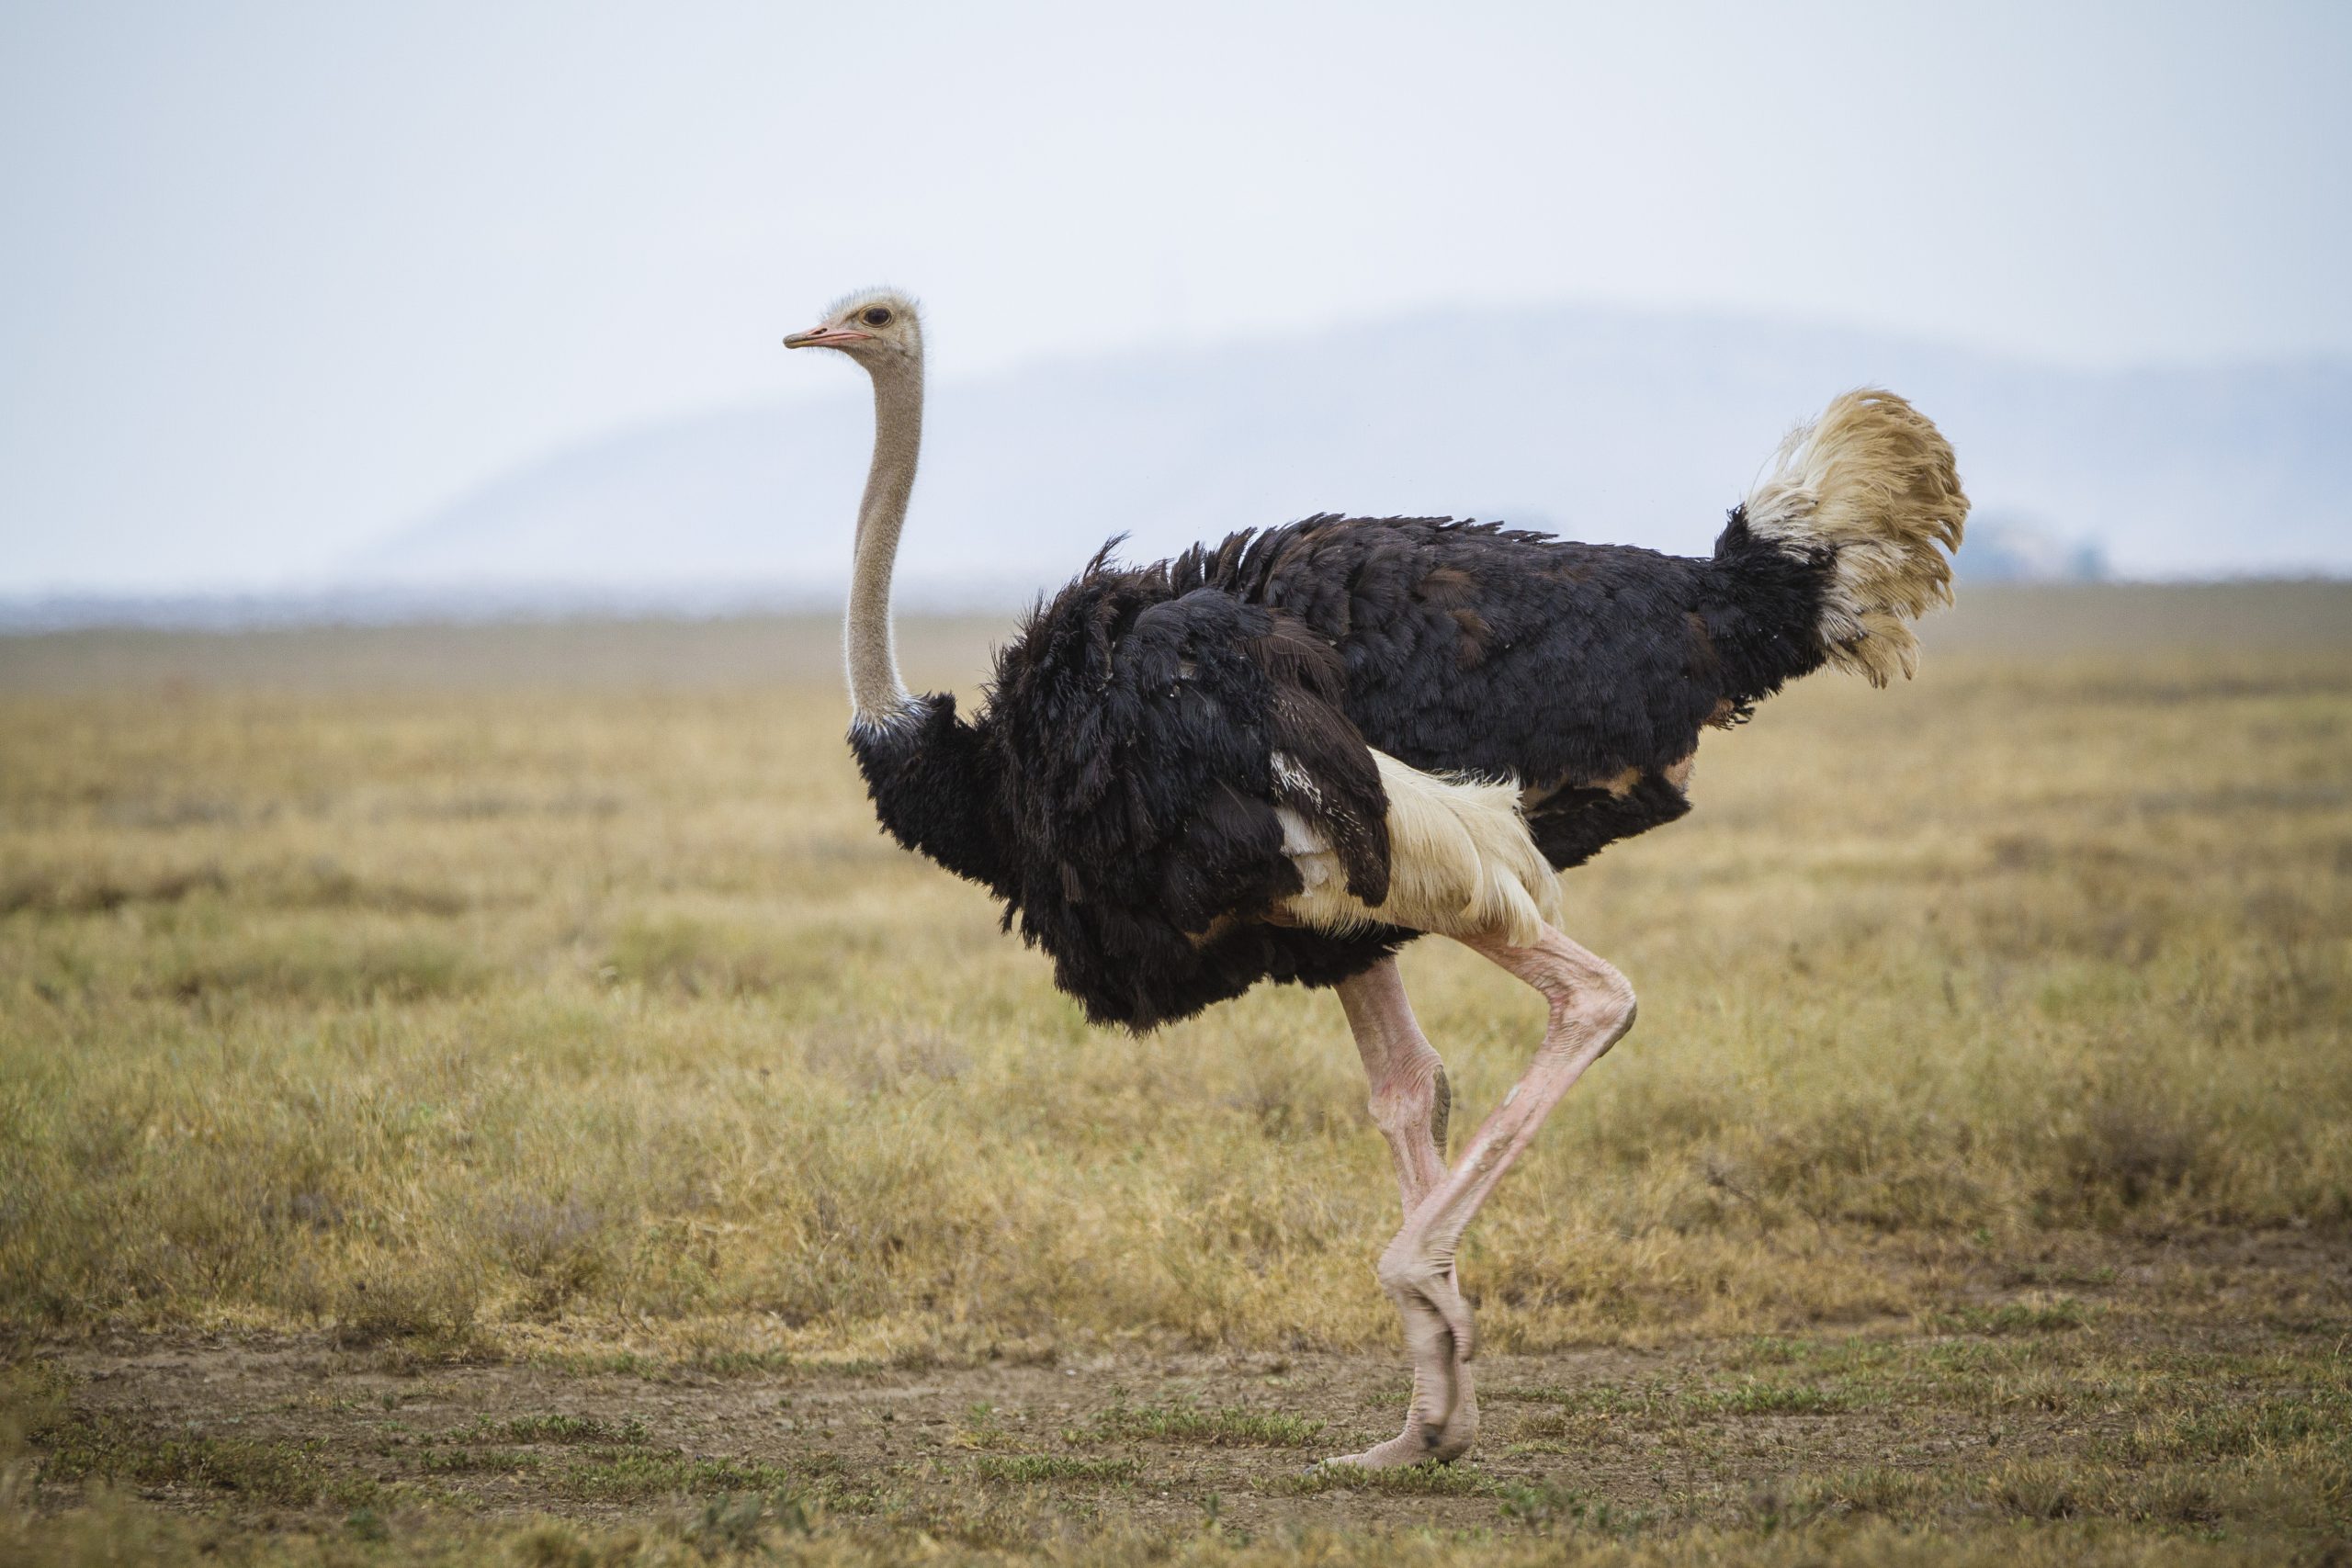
(1287,755)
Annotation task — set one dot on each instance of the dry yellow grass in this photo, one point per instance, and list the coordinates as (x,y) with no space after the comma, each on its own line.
(515,1011)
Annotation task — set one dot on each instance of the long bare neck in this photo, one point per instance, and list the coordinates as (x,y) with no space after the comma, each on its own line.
(877,697)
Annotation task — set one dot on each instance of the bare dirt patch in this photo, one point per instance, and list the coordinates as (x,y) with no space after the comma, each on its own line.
(1925,1419)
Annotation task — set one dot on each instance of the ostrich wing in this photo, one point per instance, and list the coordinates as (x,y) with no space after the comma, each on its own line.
(1150,745)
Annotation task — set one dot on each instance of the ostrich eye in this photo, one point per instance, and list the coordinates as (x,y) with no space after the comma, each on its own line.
(877,317)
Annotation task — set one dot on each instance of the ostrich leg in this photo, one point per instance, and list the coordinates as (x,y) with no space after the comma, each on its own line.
(1410,1097)
(1592,1007)
(1410,1104)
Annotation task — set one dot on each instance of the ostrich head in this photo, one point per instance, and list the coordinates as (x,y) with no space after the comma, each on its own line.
(876,327)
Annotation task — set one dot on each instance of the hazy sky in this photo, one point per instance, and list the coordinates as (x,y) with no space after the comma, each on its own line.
(278,278)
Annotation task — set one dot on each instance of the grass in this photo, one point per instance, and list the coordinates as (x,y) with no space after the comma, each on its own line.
(560,1428)
(2212,1452)
(1029,1470)
(586,1026)
(1933,976)
(113,1449)
(1768,1399)
(1226,1425)
(2013,1317)
(1459,1480)
(471,1460)
(629,1476)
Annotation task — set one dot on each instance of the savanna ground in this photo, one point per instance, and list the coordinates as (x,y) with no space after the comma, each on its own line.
(489,1094)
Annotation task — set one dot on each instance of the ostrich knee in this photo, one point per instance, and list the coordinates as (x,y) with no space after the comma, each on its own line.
(1414,1099)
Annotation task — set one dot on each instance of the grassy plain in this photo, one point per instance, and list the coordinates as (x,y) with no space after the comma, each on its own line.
(489,1090)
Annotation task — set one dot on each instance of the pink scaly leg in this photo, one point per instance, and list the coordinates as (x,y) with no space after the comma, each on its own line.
(1410,1097)
(1412,1102)
(1592,1007)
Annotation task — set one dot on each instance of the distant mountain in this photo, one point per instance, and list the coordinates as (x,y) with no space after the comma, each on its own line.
(2003,547)
(1602,424)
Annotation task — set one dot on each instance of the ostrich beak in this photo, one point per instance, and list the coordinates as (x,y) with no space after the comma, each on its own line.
(826,337)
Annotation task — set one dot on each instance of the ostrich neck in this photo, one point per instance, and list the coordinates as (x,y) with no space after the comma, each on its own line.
(877,697)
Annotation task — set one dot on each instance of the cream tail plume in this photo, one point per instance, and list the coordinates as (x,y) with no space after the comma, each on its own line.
(878,699)
(1873,483)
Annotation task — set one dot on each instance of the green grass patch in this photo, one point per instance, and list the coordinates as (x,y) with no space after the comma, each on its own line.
(1405,1481)
(628,1432)
(1230,1425)
(622,1476)
(470,1461)
(102,1446)
(2014,1317)
(1771,1399)
(2206,1432)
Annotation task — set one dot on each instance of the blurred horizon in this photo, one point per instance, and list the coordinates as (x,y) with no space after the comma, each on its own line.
(291,289)
(2216,626)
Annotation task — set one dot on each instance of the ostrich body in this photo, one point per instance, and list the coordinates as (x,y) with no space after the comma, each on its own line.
(1284,756)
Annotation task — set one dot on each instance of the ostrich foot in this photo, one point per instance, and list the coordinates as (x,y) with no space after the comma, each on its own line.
(1425,1439)
(1442,1423)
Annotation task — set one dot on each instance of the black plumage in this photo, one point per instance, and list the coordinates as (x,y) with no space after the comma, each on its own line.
(1119,791)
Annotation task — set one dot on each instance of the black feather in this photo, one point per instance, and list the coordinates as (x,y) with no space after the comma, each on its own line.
(1120,791)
